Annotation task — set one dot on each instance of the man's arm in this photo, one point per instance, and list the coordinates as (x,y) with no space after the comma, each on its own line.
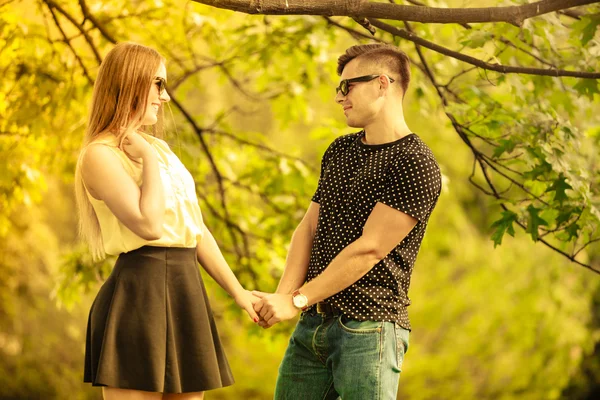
(296,264)
(385,228)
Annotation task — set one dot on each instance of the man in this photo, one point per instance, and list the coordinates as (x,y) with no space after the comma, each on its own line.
(350,260)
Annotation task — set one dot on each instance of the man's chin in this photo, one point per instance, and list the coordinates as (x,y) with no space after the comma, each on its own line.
(353,124)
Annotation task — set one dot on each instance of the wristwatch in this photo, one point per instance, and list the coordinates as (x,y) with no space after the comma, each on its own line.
(300,301)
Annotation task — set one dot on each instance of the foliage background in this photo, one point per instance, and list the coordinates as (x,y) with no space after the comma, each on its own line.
(252,113)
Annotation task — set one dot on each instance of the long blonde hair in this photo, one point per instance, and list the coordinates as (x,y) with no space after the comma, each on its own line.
(119,102)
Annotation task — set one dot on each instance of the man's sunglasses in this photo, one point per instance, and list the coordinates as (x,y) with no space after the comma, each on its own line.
(345,84)
(161,84)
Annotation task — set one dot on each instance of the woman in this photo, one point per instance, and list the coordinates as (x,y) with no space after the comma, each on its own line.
(151,333)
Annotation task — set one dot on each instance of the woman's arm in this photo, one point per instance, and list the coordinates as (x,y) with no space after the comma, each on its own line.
(212,260)
(141,209)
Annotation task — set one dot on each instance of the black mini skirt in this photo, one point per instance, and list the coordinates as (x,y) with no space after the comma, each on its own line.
(151,327)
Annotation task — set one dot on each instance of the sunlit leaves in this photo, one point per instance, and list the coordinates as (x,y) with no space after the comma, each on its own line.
(77,274)
(559,187)
(476,38)
(587,87)
(258,87)
(534,221)
(586,28)
(504,225)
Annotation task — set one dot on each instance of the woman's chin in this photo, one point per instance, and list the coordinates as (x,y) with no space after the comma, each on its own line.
(150,120)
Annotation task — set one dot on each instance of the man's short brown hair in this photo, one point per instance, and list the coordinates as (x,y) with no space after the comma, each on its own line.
(390,57)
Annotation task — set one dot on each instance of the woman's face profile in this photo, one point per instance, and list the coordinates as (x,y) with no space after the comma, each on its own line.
(155,97)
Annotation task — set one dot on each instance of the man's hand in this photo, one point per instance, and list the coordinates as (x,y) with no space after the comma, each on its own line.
(274,308)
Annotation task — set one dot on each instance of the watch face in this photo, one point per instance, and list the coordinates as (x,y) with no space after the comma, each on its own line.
(300,300)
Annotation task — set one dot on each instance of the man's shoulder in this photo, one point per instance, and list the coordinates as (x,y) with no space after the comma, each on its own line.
(346,139)
(416,149)
(341,143)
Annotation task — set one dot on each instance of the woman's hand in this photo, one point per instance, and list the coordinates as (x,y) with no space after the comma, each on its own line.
(246,300)
(135,146)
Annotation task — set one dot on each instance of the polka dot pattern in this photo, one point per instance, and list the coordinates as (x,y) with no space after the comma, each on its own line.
(354,177)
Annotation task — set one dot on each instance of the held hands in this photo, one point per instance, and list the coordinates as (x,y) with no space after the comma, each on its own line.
(246,300)
(274,308)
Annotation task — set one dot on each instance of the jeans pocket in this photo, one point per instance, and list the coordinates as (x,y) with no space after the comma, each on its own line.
(354,326)
(401,345)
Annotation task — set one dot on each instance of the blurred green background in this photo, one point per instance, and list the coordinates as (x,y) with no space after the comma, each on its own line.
(494,316)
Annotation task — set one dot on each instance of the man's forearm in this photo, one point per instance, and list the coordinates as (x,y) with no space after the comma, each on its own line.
(351,264)
(296,265)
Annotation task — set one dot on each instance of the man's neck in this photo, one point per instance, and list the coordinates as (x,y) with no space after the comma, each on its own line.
(383,131)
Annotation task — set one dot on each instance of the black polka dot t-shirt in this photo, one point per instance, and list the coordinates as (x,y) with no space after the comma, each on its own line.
(354,177)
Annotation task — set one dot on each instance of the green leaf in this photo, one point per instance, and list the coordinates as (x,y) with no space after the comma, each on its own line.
(477,39)
(559,187)
(504,225)
(589,24)
(573,230)
(506,146)
(587,87)
(538,170)
(537,188)
(535,221)
(569,134)
(566,214)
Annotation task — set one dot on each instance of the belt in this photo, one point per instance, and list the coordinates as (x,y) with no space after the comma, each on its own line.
(326,310)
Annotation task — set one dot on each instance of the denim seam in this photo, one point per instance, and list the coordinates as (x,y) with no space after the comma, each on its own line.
(398,344)
(378,374)
(317,353)
(327,390)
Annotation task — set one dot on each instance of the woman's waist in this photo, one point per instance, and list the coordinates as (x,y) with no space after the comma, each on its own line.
(163,254)
(151,249)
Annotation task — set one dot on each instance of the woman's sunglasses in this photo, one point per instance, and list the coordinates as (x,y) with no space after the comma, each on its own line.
(161,84)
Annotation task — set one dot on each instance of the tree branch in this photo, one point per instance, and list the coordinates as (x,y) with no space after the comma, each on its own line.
(231,227)
(52,4)
(258,146)
(572,13)
(480,159)
(512,14)
(502,39)
(266,199)
(90,17)
(479,63)
(219,177)
(357,34)
(353,32)
(79,60)
(181,79)
(5,3)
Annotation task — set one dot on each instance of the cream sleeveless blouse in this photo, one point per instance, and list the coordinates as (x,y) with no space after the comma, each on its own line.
(182,227)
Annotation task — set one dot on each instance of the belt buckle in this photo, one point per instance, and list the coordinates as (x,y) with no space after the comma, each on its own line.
(321,309)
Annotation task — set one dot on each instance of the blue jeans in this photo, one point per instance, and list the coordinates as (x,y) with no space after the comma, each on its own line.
(339,356)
